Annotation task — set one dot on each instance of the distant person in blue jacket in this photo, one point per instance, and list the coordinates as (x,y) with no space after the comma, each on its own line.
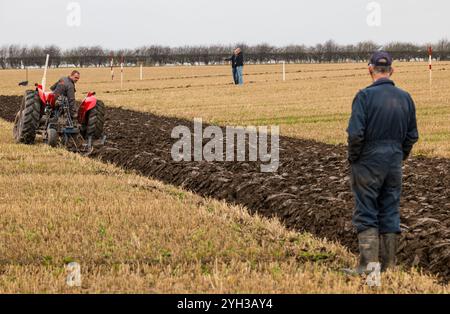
(237,65)
(381,133)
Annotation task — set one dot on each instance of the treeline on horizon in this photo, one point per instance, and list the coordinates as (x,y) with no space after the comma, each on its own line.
(18,56)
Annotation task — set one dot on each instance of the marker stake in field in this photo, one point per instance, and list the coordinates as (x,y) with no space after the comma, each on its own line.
(44,78)
(121,74)
(284,70)
(22,66)
(430,65)
(112,68)
(142,71)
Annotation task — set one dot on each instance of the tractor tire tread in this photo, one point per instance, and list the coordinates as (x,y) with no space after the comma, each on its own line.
(96,121)
(31,116)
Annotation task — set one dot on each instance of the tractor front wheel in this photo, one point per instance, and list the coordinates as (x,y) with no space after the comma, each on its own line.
(52,137)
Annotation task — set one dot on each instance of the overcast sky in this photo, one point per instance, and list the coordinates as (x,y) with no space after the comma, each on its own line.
(133,23)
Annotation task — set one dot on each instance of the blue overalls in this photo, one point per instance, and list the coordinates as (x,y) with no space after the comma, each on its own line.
(381,133)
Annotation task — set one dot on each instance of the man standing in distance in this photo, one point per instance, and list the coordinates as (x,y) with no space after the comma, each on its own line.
(237,65)
(240,66)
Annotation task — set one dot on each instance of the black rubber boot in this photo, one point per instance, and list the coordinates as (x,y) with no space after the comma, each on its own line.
(369,244)
(388,250)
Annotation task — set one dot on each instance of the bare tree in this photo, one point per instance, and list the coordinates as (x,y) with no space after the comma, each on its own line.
(3,56)
(55,52)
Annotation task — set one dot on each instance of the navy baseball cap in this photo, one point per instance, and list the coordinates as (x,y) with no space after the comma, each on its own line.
(381,58)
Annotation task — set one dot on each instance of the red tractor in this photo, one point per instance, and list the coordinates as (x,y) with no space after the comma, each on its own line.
(45,114)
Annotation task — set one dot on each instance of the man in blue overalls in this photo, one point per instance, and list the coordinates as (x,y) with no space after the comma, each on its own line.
(381,133)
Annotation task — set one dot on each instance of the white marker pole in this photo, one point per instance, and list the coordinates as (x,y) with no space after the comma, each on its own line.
(430,65)
(22,66)
(142,69)
(44,78)
(284,70)
(112,68)
(121,74)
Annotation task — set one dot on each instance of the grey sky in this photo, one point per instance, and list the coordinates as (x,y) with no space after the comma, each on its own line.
(132,23)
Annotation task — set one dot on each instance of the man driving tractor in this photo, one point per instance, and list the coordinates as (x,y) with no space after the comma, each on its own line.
(66,87)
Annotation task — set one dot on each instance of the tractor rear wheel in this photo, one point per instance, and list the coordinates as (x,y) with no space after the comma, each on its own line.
(95,121)
(27,119)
